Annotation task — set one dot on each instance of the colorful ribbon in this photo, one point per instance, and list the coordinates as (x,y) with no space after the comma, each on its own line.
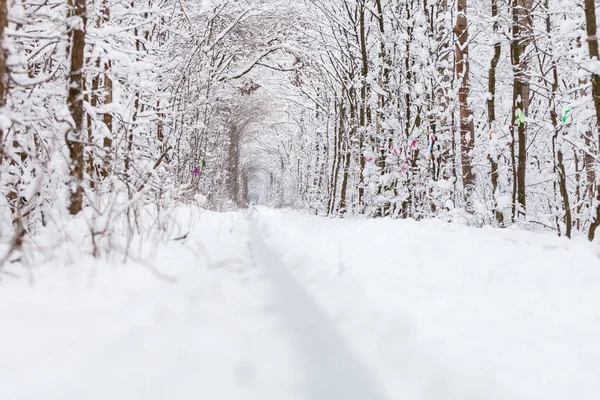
(565,114)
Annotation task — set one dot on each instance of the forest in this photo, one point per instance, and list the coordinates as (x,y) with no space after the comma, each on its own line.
(299,200)
(112,112)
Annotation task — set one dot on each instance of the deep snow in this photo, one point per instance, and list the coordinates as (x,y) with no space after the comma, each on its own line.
(280,305)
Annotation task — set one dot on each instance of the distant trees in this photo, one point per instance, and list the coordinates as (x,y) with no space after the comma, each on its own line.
(416,124)
(107,107)
(483,111)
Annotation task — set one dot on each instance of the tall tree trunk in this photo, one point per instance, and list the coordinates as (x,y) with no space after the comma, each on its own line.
(3,71)
(12,194)
(75,136)
(577,190)
(233,163)
(383,140)
(592,39)
(137,110)
(108,120)
(91,162)
(521,15)
(588,158)
(444,134)
(364,110)
(337,156)
(492,111)
(560,166)
(467,131)
(346,174)
(406,210)
(92,98)
(107,99)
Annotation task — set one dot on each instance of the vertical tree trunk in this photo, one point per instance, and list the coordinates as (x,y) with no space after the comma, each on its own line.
(108,120)
(75,136)
(12,195)
(18,144)
(346,174)
(521,16)
(588,159)
(467,131)
(137,109)
(337,156)
(364,110)
(159,126)
(492,109)
(234,162)
(590,22)
(91,162)
(383,138)
(3,72)
(446,72)
(407,66)
(107,99)
(589,168)
(517,107)
(560,166)
(92,98)
(577,190)
(94,102)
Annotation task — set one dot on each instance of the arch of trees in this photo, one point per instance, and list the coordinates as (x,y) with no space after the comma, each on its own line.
(486,111)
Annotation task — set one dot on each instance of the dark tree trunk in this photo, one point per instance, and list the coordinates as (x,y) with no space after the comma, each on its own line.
(590,22)
(521,15)
(337,157)
(75,137)
(3,72)
(492,110)
(560,166)
(364,109)
(467,131)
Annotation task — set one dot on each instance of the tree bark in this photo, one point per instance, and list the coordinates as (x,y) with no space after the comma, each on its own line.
(107,99)
(521,15)
(108,121)
(592,39)
(3,71)
(444,134)
(346,174)
(560,166)
(467,131)
(492,110)
(364,110)
(337,156)
(75,136)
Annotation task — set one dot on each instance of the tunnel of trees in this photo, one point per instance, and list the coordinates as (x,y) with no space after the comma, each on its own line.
(481,111)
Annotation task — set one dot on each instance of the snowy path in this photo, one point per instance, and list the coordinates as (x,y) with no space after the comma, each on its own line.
(329,367)
(121,334)
(278,305)
(441,311)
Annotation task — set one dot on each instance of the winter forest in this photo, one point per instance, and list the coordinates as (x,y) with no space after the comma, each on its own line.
(435,159)
(479,111)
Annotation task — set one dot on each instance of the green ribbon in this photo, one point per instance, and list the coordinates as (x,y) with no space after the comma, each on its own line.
(564,118)
(521,118)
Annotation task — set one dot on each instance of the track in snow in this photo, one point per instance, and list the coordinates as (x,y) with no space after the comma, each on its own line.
(331,370)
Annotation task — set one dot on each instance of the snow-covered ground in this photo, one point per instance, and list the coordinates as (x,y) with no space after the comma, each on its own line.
(280,305)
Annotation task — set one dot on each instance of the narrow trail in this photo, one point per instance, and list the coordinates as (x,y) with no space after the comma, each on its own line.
(331,370)
(274,304)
